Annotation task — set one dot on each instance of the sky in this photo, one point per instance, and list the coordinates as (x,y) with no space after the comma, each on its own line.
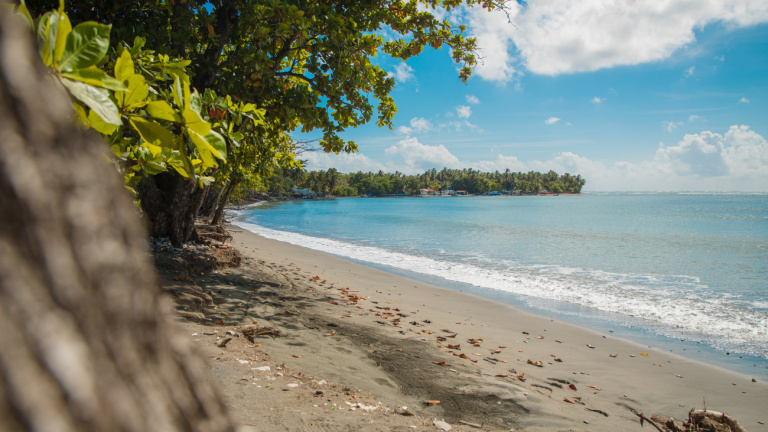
(633,95)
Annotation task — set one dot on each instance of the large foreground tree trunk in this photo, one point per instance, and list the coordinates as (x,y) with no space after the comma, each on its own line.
(86,343)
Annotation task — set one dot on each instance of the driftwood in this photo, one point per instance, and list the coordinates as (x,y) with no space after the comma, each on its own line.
(698,421)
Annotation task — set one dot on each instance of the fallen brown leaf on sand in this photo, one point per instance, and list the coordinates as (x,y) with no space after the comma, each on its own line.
(296,356)
(537,363)
(442,363)
(432,402)
(502,375)
(568,400)
(594,387)
(331,333)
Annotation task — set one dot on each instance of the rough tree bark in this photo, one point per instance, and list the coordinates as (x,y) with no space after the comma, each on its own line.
(170,203)
(86,342)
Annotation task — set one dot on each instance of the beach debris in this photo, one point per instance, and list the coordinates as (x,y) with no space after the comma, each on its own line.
(223,343)
(442,363)
(537,363)
(597,411)
(250,331)
(541,386)
(698,420)
(440,424)
(502,375)
(296,356)
(403,411)
(456,347)
(525,333)
(569,401)
(594,387)
(431,402)
(572,387)
(331,333)
(261,368)
(474,425)
(613,355)
(520,377)
(644,354)
(590,346)
(540,337)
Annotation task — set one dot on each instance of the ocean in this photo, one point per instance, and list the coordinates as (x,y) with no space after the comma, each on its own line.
(686,273)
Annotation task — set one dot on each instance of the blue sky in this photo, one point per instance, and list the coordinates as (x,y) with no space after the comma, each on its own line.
(633,95)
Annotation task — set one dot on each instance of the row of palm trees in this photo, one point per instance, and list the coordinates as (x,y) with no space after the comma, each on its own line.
(334,183)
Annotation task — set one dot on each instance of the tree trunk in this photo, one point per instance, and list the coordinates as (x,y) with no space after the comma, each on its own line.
(170,203)
(211,201)
(86,342)
(223,202)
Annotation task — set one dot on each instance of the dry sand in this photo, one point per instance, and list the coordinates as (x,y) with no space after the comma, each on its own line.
(357,343)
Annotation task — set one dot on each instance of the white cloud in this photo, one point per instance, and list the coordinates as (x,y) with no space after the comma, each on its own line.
(419,157)
(692,118)
(671,126)
(551,120)
(743,100)
(344,162)
(464,111)
(553,37)
(473,99)
(690,71)
(597,100)
(418,124)
(402,73)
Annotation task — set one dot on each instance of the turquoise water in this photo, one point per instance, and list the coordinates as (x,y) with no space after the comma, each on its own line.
(685,272)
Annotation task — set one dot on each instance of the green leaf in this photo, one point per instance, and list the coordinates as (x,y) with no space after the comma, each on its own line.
(46,29)
(153,132)
(86,45)
(100,125)
(135,96)
(95,77)
(193,121)
(124,66)
(163,110)
(95,98)
(23,11)
(209,146)
(63,30)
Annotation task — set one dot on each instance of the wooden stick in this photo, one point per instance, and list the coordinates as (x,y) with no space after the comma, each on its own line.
(644,418)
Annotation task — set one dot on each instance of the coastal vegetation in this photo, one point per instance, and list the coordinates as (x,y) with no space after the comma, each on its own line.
(197,96)
(468,180)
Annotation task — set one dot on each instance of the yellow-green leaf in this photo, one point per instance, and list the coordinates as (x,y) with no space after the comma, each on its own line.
(100,125)
(63,30)
(95,77)
(153,132)
(135,96)
(124,66)
(86,44)
(95,98)
(193,121)
(163,110)
(209,147)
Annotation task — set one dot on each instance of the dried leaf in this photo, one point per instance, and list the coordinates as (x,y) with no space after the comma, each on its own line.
(537,363)
(296,356)
(644,354)
(442,363)
(502,375)
(569,401)
(571,386)
(432,402)
(331,333)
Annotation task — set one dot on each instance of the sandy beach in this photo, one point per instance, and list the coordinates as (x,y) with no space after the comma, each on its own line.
(358,344)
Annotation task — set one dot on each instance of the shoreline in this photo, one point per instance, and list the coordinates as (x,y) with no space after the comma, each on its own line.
(658,382)
(682,342)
